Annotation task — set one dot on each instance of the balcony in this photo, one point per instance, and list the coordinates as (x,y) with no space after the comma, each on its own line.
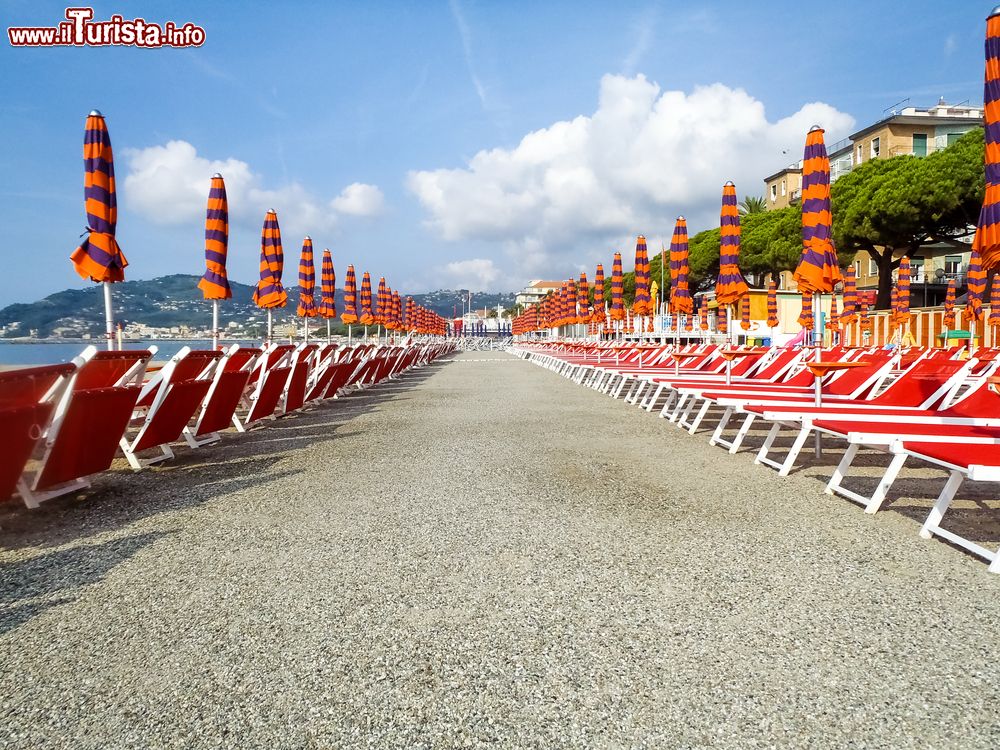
(795,196)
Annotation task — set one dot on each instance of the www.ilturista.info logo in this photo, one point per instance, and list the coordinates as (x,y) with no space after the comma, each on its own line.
(80,30)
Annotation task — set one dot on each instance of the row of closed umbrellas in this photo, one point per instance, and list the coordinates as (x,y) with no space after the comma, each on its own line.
(818,271)
(100,258)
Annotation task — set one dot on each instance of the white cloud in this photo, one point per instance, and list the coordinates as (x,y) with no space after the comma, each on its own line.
(359,199)
(168,185)
(477,274)
(575,191)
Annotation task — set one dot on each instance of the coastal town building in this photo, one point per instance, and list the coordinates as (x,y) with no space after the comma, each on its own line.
(905,130)
(535,291)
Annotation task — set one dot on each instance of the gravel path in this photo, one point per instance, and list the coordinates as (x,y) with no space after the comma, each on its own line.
(485,554)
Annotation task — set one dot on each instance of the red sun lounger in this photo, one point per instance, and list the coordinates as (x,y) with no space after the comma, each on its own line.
(218,410)
(87,425)
(167,403)
(28,398)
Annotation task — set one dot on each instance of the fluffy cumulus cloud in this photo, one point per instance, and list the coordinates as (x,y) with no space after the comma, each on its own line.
(477,274)
(577,189)
(168,185)
(359,199)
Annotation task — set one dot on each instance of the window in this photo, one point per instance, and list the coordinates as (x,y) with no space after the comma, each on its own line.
(876,144)
(920,144)
(917,270)
(857,268)
(782,187)
(872,267)
(774,192)
(952,264)
(952,137)
(859,155)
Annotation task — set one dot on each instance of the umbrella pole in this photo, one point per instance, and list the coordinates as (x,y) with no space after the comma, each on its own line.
(818,342)
(350,330)
(109,321)
(215,324)
(328,337)
(270,325)
(306,321)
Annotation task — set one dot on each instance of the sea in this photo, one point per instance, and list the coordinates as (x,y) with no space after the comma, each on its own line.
(13,353)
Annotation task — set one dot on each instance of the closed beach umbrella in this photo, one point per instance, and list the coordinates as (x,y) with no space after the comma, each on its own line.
(617,289)
(866,321)
(987,239)
(995,301)
(894,305)
(366,318)
(397,311)
(214,284)
(721,319)
(949,306)
(307,285)
(680,295)
(641,303)
(833,324)
(350,314)
(745,312)
(703,313)
(411,315)
(570,308)
(98,257)
(903,284)
(598,317)
(818,271)
(381,304)
(806,316)
(850,297)
(327,307)
(975,279)
(269,292)
(729,285)
(583,300)
(772,304)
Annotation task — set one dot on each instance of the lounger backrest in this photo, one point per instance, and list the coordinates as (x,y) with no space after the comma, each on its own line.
(195,364)
(858,381)
(107,369)
(239,359)
(924,384)
(778,364)
(27,386)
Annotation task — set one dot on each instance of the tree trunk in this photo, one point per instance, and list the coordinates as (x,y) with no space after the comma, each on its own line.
(886,265)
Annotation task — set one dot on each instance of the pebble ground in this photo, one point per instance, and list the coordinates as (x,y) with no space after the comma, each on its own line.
(483,554)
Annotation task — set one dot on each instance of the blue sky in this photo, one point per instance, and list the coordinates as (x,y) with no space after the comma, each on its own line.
(424,107)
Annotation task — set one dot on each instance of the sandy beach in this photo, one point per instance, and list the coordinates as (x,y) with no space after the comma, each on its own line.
(484,554)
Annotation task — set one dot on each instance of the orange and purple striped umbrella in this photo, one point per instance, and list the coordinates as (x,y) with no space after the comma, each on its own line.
(641,305)
(703,313)
(818,269)
(617,289)
(745,312)
(570,309)
(772,304)
(598,315)
(949,306)
(866,321)
(327,288)
(583,300)
(995,301)
(215,284)
(730,285)
(98,257)
(680,294)
(382,302)
(903,283)
(975,280)
(269,292)
(307,281)
(987,240)
(893,305)
(850,297)
(806,316)
(411,315)
(721,319)
(397,311)
(833,324)
(366,318)
(350,314)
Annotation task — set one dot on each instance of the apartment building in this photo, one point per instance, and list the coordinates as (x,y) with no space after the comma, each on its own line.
(905,130)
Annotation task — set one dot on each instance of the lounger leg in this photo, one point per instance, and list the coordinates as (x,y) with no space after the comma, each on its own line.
(723,421)
(668,405)
(841,471)
(654,398)
(878,497)
(800,440)
(679,407)
(742,434)
(705,406)
(768,442)
(941,505)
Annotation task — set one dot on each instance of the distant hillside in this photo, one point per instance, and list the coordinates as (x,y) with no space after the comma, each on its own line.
(176,301)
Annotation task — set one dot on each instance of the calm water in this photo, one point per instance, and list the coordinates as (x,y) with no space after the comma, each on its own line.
(47,353)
